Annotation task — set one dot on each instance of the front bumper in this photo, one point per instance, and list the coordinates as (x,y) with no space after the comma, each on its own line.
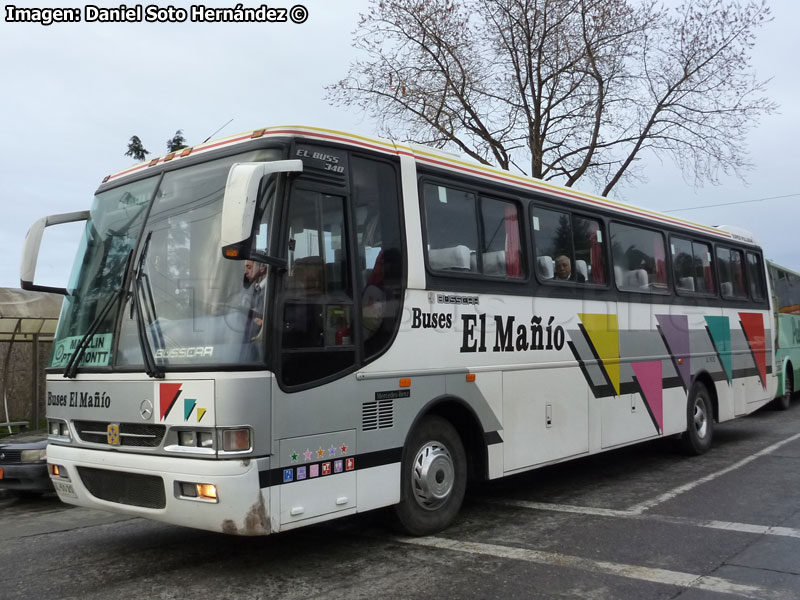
(26,477)
(241,507)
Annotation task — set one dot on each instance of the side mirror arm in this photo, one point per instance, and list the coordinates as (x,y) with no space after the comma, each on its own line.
(33,241)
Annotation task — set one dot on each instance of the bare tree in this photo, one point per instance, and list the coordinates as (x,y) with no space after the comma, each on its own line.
(564,89)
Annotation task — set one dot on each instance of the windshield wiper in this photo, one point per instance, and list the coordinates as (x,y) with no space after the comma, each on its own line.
(150,366)
(72,365)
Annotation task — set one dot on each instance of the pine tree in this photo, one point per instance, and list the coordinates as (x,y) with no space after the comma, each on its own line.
(178,142)
(136,150)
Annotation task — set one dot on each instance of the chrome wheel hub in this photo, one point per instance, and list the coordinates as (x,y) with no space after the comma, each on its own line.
(700,418)
(433,475)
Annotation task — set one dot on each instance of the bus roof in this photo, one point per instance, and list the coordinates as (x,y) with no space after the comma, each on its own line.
(772,263)
(442,159)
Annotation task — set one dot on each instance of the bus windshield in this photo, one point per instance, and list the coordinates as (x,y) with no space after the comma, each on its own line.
(186,302)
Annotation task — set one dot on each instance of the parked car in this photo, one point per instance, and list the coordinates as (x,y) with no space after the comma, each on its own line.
(23,464)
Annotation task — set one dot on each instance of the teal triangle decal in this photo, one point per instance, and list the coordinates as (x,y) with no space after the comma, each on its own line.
(719,328)
(188,407)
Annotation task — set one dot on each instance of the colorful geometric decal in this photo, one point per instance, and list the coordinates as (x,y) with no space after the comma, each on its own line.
(649,376)
(753,327)
(167,395)
(674,330)
(719,328)
(603,333)
(188,407)
(196,398)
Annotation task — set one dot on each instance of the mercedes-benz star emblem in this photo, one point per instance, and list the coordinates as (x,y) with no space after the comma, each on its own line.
(146,409)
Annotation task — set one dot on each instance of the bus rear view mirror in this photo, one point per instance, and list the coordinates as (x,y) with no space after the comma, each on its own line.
(33,242)
(241,198)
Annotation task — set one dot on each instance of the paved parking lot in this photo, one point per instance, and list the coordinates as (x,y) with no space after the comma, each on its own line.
(640,522)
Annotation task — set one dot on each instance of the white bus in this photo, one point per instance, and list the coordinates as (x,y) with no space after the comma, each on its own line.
(296,324)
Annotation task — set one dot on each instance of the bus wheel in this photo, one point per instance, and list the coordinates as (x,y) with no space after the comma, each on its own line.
(434,478)
(699,421)
(782,403)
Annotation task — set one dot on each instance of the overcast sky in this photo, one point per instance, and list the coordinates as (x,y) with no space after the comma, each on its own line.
(74,93)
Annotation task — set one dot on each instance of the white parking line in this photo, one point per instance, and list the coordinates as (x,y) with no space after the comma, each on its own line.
(648,504)
(662,576)
(630,514)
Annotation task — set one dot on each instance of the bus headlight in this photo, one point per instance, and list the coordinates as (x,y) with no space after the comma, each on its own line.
(58,428)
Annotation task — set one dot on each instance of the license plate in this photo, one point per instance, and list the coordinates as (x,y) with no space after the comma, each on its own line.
(65,489)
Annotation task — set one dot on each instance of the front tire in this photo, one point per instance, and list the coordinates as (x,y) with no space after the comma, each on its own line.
(434,478)
(699,432)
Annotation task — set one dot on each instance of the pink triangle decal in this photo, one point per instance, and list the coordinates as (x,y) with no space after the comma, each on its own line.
(753,326)
(649,376)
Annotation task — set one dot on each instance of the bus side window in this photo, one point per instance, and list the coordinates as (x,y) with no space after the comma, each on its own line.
(501,254)
(380,252)
(691,266)
(755,275)
(552,235)
(590,254)
(569,247)
(639,258)
(452,229)
(731,273)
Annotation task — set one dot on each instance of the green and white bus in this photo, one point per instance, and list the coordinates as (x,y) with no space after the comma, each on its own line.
(296,324)
(786,304)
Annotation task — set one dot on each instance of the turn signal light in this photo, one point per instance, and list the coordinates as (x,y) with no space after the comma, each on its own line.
(236,440)
(207,491)
(57,471)
(199,491)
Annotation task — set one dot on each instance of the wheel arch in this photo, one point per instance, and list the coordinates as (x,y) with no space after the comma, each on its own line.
(467,424)
(787,368)
(705,378)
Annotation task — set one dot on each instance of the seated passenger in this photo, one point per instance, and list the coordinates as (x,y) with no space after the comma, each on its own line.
(564,270)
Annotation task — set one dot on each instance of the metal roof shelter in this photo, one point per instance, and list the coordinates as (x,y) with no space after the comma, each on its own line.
(26,317)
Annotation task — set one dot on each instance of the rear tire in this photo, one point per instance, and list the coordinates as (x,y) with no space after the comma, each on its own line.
(782,402)
(434,478)
(699,432)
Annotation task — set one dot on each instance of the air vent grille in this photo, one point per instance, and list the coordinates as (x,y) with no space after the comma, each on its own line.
(377,415)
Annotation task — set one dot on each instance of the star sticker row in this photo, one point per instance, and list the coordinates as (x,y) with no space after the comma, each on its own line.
(319,454)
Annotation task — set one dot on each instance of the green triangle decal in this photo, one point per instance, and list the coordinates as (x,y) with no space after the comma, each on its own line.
(719,328)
